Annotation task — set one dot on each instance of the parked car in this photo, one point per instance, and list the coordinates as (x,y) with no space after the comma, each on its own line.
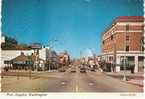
(6,69)
(39,69)
(82,70)
(73,69)
(92,69)
(61,70)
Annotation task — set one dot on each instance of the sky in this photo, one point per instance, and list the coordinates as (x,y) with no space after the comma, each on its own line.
(72,25)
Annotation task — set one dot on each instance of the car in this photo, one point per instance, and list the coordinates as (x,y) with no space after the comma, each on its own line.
(6,69)
(73,69)
(92,69)
(61,70)
(39,69)
(83,70)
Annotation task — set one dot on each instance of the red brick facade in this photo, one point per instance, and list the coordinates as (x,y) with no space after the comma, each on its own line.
(124,31)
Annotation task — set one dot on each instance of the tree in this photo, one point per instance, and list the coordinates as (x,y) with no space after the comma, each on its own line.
(12,44)
(11,40)
(9,43)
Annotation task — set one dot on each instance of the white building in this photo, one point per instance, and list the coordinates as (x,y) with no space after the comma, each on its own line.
(2,40)
(7,55)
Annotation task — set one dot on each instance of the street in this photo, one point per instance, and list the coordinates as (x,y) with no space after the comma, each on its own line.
(67,82)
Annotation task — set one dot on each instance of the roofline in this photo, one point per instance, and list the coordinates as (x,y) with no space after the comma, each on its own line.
(118,19)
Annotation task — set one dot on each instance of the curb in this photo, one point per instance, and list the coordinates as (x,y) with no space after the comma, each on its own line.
(140,85)
(133,76)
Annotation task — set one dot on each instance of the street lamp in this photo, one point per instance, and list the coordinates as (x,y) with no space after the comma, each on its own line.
(51,44)
(49,59)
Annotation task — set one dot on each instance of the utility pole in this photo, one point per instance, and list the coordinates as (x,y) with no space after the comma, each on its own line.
(49,59)
(50,45)
(113,64)
(114,55)
(36,47)
(125,59)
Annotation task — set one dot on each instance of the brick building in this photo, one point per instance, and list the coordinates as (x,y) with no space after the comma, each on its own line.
(125,38)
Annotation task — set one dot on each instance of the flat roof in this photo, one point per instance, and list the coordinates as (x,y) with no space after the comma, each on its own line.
(125,19)
(130,19)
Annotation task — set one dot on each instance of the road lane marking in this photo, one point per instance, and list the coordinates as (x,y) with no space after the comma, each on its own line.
(63,83)
(76,83)
(76,88)
(91,84)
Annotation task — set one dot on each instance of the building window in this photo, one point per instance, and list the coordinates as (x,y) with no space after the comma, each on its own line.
(142,48)
(127,27)
(111,37)
(143,27)
(142,44)
(110,58)
(142,40)
(127,48)
(127,38)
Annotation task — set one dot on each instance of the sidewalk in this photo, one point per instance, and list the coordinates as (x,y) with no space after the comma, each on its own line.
(135,79)
(139,83)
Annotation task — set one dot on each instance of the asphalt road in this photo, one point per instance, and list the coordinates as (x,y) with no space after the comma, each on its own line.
(90,82)
(67,82)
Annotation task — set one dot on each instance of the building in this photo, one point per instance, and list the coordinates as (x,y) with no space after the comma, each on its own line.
(39,55)
(7,55)
(25,62)
(64,59)
(2,40)
(123,40)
